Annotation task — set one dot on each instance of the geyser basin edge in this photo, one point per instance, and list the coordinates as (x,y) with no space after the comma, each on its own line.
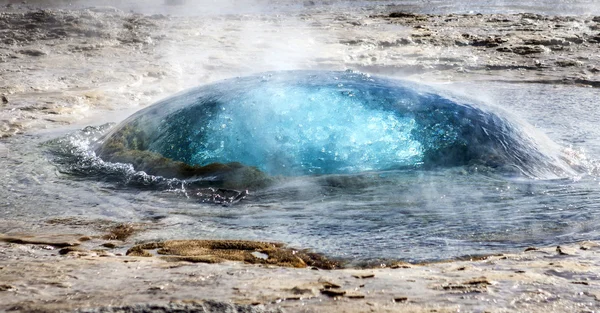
(243,131)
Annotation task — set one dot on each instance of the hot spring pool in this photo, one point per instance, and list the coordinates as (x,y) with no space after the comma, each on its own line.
(357,167)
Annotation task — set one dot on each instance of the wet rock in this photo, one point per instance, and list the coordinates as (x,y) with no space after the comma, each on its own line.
(215,251)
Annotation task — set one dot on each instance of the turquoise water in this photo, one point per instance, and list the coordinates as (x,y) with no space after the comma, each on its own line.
(413,214)
(295,123)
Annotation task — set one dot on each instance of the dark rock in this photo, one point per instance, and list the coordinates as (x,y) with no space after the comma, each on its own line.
(403,15)
(32,52)
(523,50)
(5,287)
(68,250)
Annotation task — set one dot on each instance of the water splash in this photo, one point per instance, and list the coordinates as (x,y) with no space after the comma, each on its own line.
(297,123)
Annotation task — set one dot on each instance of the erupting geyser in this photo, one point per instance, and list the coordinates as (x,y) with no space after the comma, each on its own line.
(241,131)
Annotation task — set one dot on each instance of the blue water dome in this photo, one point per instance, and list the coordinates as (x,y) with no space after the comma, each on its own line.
(295,123)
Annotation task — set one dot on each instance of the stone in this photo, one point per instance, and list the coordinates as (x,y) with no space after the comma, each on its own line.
(120,232)
(216,251)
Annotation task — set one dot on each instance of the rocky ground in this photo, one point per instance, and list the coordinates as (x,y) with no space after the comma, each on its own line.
(96,273)
(62,68)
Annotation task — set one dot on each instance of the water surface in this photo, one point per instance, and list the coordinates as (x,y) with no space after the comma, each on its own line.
(413,215)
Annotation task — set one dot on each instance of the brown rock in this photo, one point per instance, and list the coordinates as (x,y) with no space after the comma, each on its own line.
(214,251)
(120,232)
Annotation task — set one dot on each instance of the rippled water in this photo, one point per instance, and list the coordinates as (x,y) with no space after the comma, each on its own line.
(407,214)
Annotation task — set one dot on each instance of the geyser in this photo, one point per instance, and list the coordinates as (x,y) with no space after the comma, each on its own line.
(241,131)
